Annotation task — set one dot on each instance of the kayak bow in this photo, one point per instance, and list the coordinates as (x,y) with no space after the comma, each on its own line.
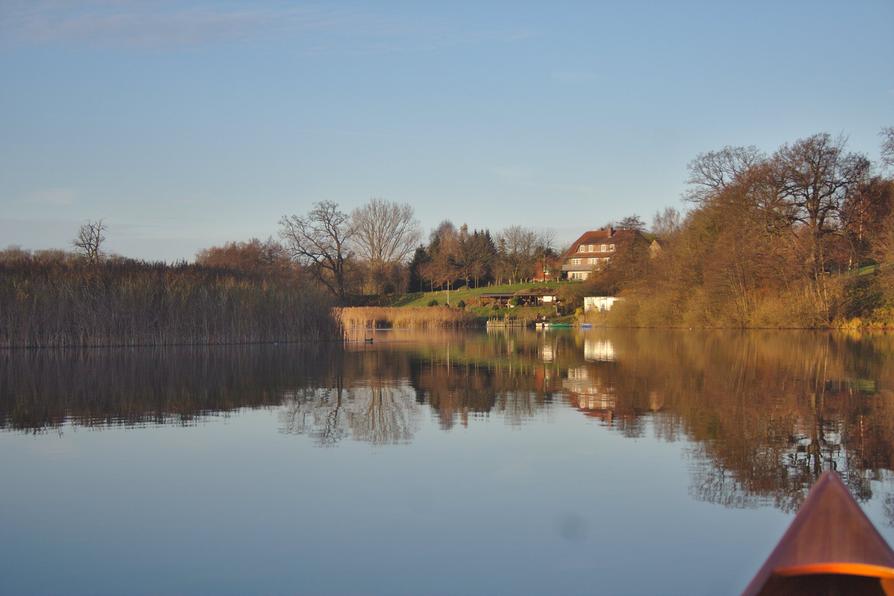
(830,547)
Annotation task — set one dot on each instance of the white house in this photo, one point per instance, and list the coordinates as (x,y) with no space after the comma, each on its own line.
(600,303)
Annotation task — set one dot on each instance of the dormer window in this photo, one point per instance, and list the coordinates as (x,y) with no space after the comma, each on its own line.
(582,248)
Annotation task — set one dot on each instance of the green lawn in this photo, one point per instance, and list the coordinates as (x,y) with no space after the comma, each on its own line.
(466,294)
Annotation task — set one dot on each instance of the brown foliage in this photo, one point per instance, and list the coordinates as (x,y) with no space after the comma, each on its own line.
(263,258)
(770,243)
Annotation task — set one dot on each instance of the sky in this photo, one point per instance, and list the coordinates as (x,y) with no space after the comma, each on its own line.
(187,124)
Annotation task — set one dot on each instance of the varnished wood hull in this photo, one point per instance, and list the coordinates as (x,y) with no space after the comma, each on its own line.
(830,547)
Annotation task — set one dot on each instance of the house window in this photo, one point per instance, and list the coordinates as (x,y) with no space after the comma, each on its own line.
(603,248)
(575,261)
(611,248)
(593,261)
(582,248)
(592,248)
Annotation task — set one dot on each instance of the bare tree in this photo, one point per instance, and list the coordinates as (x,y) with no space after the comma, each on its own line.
(518,249)
(666,223)
(546,242)
(887,135)
(631,222)
(711,172)
(384,234)
(89,240)
(320,242)
(814,178)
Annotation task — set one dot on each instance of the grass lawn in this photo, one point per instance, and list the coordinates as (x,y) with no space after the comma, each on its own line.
(466,294)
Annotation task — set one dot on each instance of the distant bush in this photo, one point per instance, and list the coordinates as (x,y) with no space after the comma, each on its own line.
(461,304)
(432,302)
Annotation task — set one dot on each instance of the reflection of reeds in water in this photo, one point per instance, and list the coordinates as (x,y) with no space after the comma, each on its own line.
(434,338)
(42,389)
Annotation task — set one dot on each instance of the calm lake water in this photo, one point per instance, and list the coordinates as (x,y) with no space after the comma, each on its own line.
(616,462)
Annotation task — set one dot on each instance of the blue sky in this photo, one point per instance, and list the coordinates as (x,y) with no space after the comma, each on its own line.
(186,124)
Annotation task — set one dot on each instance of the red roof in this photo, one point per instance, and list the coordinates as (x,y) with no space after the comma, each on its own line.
(599,237)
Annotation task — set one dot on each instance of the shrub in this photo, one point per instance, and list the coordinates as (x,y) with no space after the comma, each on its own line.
(432,302)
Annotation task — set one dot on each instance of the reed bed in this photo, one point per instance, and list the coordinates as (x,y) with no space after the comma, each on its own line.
(70,303)
(360,318)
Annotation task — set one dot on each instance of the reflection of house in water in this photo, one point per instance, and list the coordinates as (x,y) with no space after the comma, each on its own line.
(547,353)
(598,350)
(588,395)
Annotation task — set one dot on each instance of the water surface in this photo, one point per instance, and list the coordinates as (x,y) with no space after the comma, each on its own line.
(597,462)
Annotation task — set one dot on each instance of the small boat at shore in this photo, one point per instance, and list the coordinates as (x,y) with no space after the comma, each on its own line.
(830,547)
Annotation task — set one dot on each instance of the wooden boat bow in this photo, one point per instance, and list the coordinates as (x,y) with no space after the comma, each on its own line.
(830,547)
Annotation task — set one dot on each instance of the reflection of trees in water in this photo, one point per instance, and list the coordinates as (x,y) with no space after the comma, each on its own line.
(765,412)
(456,391)
(377,413)
(318,413)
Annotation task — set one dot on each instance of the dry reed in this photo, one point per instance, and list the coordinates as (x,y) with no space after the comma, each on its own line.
(67,303)
(353,319)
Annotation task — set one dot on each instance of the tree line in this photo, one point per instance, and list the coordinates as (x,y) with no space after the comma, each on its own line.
(802,237)
(271,290)
(368,252)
